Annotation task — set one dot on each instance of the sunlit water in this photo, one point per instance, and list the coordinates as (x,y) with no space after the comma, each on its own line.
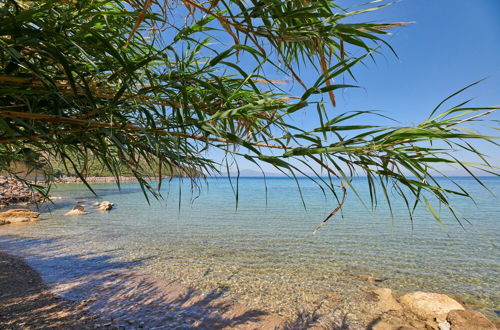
(264,254)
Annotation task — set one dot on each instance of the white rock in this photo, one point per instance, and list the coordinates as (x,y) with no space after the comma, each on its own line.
(444,325)
(77,210)
(105,206)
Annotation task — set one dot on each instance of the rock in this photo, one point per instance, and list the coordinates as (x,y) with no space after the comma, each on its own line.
(381,325)
(77,210)
(105,206)
(428,305)
(386,301)
(431,325)
(14,191)
(18,215)
(375,279)
(370,279)
(417,324)
(469,320)
(444,325)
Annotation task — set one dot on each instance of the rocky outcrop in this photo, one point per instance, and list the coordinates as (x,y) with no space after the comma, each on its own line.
(419,310)
(13,191)
(105,206)
(77,210)
(18,215)
(469,320)
(429,306)
(385,301)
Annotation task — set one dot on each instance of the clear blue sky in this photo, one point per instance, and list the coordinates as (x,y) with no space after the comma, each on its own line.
(452,44)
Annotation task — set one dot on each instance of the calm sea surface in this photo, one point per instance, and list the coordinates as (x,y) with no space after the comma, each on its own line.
(264,254)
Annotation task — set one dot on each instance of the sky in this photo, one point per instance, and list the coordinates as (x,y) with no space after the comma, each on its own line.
(451,44)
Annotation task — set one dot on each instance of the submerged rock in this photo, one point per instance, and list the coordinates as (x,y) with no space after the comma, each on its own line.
(428,305)
(18,215)
(77,210)
(469,320)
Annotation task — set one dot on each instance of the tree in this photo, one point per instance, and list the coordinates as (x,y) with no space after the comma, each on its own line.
(125,84)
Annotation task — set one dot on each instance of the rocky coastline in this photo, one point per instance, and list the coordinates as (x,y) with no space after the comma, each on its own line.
(14,192)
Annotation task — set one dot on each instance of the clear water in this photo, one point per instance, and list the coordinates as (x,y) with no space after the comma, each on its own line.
(265,256)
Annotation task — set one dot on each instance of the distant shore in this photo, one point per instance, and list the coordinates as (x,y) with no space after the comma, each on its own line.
(100,179)
(16,193)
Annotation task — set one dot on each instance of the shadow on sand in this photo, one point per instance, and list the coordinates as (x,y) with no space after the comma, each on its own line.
(118,293)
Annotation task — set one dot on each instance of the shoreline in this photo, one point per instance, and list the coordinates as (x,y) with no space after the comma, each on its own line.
(100,179)
(26,301)
(15,194)
(97,296)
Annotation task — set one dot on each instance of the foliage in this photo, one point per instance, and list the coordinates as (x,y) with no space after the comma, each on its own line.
(125,83)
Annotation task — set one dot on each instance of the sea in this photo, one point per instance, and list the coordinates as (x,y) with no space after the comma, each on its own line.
(255,239)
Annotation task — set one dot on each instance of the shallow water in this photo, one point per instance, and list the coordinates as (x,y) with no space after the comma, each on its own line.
(265,256)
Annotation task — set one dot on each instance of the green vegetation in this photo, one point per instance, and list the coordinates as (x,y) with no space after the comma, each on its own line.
(38,166)
(131,83)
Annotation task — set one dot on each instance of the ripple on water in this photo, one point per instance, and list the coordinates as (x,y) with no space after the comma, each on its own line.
(267,258)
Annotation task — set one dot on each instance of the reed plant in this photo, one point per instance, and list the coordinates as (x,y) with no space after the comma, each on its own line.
(163,84)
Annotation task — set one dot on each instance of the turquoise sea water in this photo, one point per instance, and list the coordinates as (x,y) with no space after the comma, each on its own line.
(264,253)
